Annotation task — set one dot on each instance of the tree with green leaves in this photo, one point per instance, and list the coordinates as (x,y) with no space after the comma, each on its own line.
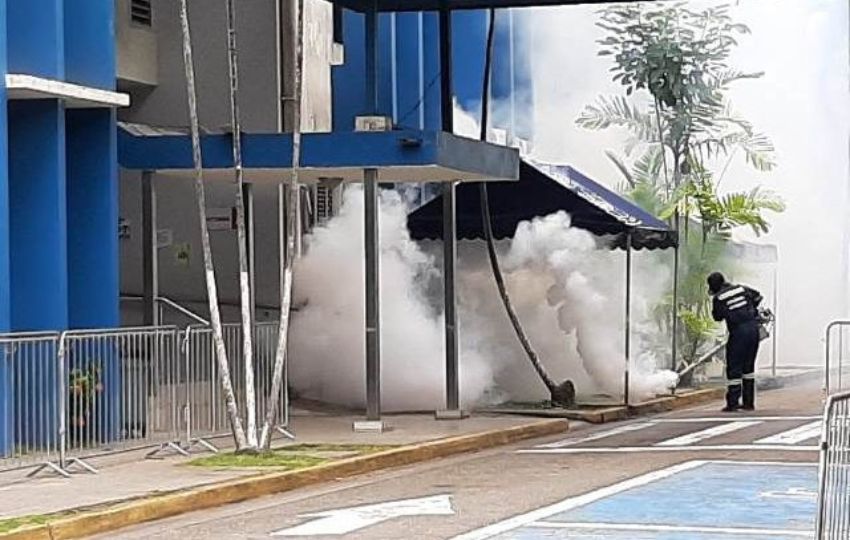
(673,63)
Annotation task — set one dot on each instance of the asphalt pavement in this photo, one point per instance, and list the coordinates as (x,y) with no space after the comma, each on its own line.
(696,474)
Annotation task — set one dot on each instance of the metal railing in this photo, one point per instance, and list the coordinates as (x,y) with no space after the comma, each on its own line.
(29,396)
(833,515)
(66,398)
(164,302)
(206,413)
(834,376)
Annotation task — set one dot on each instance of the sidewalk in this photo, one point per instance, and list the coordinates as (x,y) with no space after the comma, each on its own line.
(130,476)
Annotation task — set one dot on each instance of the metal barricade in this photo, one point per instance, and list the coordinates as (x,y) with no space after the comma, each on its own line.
(837,343)
(121,391)
(205,406)
(29,422)
(65,398)
(833,517)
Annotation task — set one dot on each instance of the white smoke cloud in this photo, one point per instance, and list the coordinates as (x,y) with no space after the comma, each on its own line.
(328,346)
(801,103)
(555,274)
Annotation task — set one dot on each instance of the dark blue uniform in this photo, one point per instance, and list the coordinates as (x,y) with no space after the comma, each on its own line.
(738,306)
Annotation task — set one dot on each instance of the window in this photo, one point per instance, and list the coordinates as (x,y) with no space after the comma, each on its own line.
(141,12)
(338,21)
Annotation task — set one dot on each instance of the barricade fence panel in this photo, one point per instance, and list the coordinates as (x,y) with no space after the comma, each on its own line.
(206,407)
(71,396)
(837,364)
(123,390)
(29,396)
(833,518)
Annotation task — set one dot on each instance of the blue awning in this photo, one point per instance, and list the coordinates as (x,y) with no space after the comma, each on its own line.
(543,190)
(406,155)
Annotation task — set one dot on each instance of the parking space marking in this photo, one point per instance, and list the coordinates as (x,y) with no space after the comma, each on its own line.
(694,448)
(670,528)
(575,502)
(627,428)
(716,431)
(709,419)
(796,435)
(642,506)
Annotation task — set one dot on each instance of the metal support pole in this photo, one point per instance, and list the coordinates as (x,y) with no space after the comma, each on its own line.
(373,299)
(150,273)
(628,325)
(675,310)
(449,221)
(773,361)
(449,258)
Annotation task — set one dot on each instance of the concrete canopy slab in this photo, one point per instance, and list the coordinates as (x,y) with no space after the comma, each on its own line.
(399,156)
(434,5)
(75,96)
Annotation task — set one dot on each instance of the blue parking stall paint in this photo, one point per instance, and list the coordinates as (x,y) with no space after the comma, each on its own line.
(695,500)
(739,495)
(534,533)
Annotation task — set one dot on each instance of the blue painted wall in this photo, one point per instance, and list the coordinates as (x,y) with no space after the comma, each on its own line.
(38,223)
(92,209)
(5,384)
(89,27)
(34,38)
(409,85)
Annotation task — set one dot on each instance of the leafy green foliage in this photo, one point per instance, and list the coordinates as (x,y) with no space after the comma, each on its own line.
(680,58)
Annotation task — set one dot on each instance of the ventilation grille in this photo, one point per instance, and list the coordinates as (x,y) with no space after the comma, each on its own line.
(141,12)
(324,203)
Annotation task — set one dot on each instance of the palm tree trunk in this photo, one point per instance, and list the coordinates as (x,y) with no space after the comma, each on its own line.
(286,285)
(209,268)
(244,281)
(563,394)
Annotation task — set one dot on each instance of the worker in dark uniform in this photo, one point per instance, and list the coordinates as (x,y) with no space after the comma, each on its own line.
(738,306)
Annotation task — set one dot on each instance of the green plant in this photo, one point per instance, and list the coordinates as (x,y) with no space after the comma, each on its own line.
(684,133)
(84,385)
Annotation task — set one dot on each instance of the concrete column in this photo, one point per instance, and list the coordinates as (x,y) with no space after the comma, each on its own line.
(38,215)
(39,241)
(92,171)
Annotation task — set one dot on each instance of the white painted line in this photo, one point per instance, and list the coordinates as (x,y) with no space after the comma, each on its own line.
(709,419)
(347,520)
(648,449)
(716,431)
(600,435)
(670,528)
(575,502)
(796,435)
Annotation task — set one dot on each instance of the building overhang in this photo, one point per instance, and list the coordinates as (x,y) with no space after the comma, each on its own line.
(399,156)
(26,87)
(364,6)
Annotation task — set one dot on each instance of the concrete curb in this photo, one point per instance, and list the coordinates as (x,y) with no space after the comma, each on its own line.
(615,413)
(124,514)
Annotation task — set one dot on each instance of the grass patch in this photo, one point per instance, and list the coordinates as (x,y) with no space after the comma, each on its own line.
(358,448)
(275,460)
(10,524)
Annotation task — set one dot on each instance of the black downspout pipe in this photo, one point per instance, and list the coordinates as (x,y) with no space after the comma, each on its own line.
(560,394)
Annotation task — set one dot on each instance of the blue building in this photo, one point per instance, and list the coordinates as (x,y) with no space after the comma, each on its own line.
(58,165)
(409,69)
(58,183)
(63,263)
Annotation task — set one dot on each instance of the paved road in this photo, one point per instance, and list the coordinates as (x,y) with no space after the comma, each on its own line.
(695,475)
